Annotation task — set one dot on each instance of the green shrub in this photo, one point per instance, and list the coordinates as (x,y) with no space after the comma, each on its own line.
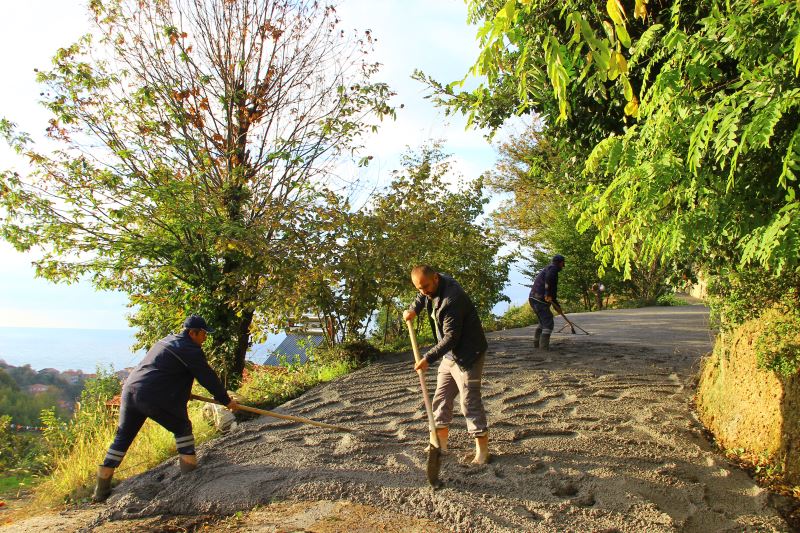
(268,386)
(21,455)
(517,316)
(356,352)
(670,299)
(736,297)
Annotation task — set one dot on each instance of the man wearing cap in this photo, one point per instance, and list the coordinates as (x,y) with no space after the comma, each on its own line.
(461,346)
(544,294)
(159,389)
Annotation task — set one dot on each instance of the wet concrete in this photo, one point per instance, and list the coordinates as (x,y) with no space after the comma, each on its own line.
(595,435)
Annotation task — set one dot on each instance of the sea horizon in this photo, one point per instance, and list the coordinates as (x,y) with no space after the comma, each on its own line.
(86,349)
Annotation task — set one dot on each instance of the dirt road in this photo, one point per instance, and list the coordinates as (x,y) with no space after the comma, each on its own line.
(595,435)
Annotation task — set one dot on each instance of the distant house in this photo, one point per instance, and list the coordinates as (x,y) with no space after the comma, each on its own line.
(72,377)
(37,388)
(294,348)
(123,374)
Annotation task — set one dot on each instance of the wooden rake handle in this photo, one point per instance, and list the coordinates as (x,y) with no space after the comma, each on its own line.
(275,415)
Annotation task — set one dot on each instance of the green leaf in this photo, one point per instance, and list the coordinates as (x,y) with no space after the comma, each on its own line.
(796,58)
(627,89)
(622,35)
(614,11)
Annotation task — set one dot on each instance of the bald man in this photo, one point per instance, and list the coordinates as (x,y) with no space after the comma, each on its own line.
(461,344)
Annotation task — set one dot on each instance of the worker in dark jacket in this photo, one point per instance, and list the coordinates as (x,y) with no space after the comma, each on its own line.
(462,345)
(544,294)
(159,389)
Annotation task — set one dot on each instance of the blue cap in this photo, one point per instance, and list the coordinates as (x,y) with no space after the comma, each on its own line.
(558,258)
(196,322)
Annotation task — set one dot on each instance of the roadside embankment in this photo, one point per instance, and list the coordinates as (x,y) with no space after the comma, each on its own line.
(752,411)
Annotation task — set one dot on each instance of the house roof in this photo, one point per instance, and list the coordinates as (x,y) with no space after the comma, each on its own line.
(294,348)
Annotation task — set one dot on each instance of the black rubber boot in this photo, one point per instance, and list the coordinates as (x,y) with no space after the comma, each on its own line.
(536,337)
(186,467)
(102,490)
(545,342)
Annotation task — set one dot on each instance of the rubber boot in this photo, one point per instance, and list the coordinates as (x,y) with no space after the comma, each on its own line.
(102,490)
(186,466)
(442,434)
(545,342)
(481,450)
(536,337)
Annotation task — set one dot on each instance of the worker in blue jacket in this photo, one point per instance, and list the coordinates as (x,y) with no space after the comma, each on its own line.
(159,389)
(544,294)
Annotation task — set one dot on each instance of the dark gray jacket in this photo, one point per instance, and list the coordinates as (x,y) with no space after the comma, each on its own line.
(457,320)
(546,283)
(166,373)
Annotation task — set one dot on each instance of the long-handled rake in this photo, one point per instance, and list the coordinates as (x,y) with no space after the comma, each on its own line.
(273,414)
(572,325)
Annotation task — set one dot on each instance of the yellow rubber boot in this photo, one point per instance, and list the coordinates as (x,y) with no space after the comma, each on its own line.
(442,434)
(481,450)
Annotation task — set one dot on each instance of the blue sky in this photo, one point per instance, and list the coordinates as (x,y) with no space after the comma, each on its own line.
(431,35)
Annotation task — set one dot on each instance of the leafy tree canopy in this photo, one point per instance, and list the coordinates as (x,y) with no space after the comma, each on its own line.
(194,140)
(687,114)
(420,218)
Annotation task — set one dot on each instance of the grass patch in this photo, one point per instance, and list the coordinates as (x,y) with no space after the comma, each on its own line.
(670,299)
(12,485)
(267,386)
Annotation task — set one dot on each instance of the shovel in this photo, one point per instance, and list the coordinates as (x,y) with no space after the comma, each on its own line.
(275,415)
(434,451)
(569,323)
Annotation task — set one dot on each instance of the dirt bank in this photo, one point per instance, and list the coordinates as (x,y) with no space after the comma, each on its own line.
(595,435)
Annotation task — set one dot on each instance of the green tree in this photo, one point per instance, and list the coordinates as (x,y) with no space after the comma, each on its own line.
(418,219)
(687,112)
(541,178)
(19,451)
(25,408)
(194,138)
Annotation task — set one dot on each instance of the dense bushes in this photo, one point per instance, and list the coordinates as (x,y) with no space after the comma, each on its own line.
(517,316)
(778,347)
(24,408)
(20,452)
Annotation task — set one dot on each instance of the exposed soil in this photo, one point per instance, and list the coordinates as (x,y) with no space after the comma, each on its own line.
(596,435)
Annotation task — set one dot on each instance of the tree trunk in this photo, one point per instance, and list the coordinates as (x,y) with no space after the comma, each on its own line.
(242,344)
(386,323)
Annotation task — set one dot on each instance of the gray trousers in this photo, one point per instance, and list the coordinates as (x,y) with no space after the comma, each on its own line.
(451,380)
